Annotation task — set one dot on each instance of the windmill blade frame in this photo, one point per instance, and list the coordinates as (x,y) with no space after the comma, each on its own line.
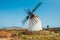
(24,21)
(36,7)
(31,12)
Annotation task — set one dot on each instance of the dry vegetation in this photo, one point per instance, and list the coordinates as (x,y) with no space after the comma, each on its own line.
(24,34)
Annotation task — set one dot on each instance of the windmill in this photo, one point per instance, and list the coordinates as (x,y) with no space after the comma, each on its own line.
(34,20)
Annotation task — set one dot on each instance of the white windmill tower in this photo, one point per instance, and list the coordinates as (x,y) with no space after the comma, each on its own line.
(34,20)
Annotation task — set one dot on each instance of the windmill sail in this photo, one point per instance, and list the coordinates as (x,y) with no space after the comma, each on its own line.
(36,7)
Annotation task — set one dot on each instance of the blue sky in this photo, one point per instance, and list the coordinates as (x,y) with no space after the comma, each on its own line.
(12,12)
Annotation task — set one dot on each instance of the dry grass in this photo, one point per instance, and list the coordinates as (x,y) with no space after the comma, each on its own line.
(24,34)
